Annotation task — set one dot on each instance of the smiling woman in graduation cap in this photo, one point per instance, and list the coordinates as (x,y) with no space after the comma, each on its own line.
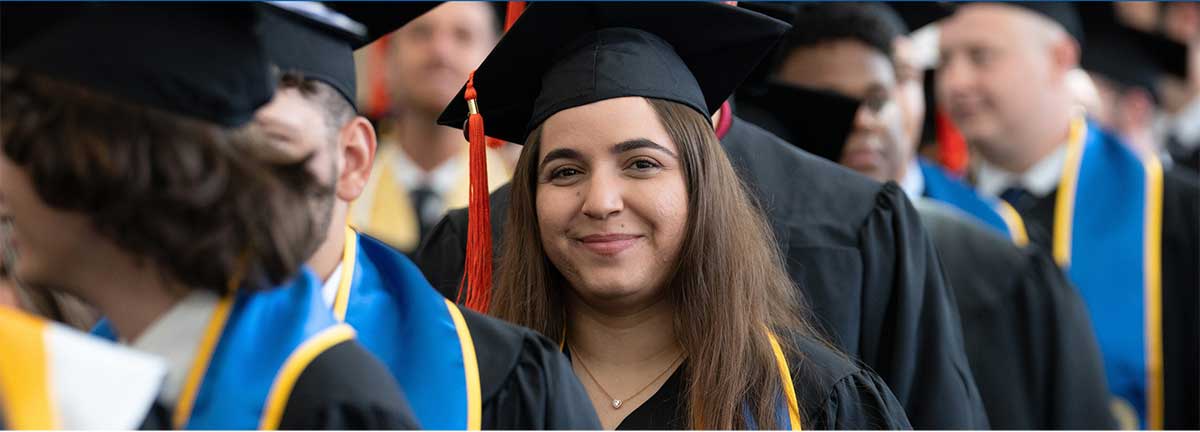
(630,238)
(133,181)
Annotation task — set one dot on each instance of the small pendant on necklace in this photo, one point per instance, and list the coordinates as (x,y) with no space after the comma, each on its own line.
(616,403)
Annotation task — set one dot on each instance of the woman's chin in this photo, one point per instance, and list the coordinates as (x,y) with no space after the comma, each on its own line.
(613,289)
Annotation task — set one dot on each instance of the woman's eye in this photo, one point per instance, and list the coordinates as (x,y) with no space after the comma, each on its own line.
(644,164)
(563,173)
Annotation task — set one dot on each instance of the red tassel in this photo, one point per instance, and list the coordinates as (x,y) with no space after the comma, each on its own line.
(380,100)
(477,277)
(952,147)
(512,13)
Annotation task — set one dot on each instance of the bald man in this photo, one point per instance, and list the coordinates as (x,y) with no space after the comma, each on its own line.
(1125,231)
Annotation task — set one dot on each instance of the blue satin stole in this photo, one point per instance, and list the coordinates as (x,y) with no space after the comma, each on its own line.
(419,335)
(994,213)
(253,351)
(1107,235)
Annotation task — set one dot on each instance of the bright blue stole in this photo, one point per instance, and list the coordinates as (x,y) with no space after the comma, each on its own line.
(994,213)
(254,349)
(417,333)
(1107,235)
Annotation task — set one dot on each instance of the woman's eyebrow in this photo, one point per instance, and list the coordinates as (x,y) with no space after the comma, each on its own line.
(638,143)
(560,153)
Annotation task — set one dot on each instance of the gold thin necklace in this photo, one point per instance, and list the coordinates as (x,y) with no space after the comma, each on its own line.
(616,403)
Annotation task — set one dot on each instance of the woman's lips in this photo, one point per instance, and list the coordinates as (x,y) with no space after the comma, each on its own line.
(608,244)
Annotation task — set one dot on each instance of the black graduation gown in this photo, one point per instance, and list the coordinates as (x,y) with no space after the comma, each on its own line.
(832,392)
(857,250)
(1184,157)
(526,383)
(1180,291)
(1027,331)
(330,395)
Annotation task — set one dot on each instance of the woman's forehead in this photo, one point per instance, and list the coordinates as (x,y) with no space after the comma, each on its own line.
(600,125)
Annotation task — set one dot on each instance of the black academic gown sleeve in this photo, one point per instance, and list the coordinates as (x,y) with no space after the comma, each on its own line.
(1027,332)
(836,393)
(345,387)
(906,304)
(1181,299)
(526,382)
(856,250)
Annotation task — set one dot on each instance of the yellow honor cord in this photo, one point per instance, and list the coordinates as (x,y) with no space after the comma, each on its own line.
(195,376)
(471,368)
(1064,205)
(789,388)
(341,301)
(1153,292)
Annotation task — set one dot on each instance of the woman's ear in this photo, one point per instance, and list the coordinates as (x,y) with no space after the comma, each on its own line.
(356,144)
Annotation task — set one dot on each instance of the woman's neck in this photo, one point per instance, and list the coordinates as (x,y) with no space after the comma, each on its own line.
(622,358)
(630,338)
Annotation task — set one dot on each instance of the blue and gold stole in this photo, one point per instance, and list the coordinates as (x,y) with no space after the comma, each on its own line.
(994,213)
(254,349)
(1107,235)
(420,336)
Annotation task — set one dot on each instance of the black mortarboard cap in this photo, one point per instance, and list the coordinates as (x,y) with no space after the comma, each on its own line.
(1128,56)
(1118,58)
(201,61)
(816,120)
(918,14)
(1063,13)
(563,55)
(318,40)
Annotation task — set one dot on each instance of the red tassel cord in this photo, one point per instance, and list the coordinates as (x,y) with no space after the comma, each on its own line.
(514,10)
(476,288)
(379,100)
(952,147)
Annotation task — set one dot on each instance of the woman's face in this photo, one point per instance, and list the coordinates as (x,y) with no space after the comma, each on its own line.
(611,200)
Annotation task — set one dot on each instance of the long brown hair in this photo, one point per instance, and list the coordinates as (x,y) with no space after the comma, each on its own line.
(728,286)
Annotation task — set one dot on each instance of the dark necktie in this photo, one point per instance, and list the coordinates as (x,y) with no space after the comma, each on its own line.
(421,197)
(1018,197)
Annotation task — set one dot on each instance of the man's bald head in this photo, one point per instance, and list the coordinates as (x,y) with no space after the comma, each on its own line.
(1003,80)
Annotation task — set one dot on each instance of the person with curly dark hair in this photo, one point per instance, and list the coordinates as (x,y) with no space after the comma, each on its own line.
(134,180)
